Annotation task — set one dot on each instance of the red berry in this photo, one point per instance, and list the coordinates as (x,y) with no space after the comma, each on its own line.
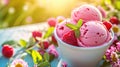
(44,44)
(52,22)
(41,51)
(36,34)
(53,39)
(107,24)
(7,51)
(114,20)
(70,38)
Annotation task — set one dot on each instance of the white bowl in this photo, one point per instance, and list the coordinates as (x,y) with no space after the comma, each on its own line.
(83,56)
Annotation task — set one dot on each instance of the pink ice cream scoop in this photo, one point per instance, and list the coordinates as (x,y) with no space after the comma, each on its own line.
(93,33)
(61,28)
(86,13)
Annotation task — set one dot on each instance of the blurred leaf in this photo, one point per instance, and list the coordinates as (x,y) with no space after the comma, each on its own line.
(44,64)
(49,32)
(118,37)
(36,56)
(31,42)
(11,42)
(108,2)
(117,4)
(71,26)
(23,43)
(46,56)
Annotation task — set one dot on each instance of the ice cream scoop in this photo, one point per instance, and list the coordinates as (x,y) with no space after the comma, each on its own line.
(93,33)
(86,13)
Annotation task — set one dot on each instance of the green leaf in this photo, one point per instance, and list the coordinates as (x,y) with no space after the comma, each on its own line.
(44,64)
(118,37)
(36,57)
(11,42)
(49,32)
(71,26)
(77,33)
(23,43)
(31,42)
(79,24)
(46,56)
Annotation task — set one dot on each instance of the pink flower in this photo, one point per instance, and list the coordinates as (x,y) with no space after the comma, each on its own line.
(5,2)
(52,50)
(118,46)
(114,57)
(19,63)
(109,52)
(116,64)
(64,64)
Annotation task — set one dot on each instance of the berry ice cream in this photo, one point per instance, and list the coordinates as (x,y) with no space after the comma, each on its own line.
(93,33)
(86,13)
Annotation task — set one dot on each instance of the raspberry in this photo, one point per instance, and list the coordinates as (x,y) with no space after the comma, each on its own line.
(52,22)
(114,20)
(44,44)
(7,51)
(53,39)
(107,24)
(70,38)
(36,34)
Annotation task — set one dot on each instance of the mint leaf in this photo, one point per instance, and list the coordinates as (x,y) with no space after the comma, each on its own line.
(23,43)
(75,28)
(49,32)
(36,56)
(79,23)
(46,56)
(71,26)
(77,33)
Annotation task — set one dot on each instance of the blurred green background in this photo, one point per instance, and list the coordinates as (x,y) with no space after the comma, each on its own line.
(21,12)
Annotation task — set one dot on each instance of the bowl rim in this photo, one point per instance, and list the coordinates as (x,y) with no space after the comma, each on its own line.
(84,48)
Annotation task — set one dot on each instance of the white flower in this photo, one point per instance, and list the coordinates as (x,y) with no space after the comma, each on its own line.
(19,63)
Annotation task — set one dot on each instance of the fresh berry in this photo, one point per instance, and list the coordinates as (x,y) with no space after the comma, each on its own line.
(107,24)
(7,51)
(70,38)
(44,44)
(36,34)
(41,51)
(60,19)
(114,20)
(53,39)
(52,22)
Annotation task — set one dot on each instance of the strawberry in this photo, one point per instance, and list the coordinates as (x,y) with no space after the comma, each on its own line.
(36,34)
(7,51)
(114,20)
(107,24)
(70,38)
(52,22)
